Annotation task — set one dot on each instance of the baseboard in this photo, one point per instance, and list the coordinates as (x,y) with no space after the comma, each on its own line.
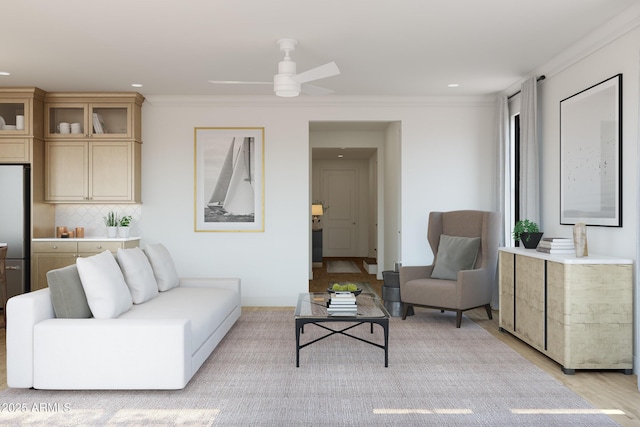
(370,265)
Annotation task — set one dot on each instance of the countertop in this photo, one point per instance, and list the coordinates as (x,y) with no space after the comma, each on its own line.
(568,258)
(87,239)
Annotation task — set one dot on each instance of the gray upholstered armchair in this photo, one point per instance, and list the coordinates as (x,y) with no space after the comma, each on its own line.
(462,276)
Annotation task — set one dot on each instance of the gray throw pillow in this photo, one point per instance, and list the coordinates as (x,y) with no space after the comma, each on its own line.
(454,254)
(67,294)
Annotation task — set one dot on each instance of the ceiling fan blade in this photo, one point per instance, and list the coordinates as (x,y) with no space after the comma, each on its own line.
(315,90)
(321,72)
(234,82)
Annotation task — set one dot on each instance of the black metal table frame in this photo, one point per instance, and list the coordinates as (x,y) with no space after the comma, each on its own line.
(382,321)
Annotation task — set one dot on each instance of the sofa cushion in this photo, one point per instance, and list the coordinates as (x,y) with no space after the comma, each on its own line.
(67,294)
(107,293)
(138,274)
(205,308)
(164,269)
(455,253)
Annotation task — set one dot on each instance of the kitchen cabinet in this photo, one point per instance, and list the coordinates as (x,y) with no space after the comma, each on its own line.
(99,159)
(577,311)
(102,115)
(93,171)
(49,254)
(23,107)
(21,123)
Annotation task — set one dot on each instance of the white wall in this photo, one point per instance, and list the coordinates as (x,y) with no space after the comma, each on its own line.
(620,56)
(391,204)
(447,162)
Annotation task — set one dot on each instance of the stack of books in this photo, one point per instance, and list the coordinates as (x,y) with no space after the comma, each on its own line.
(342,304)
(556,245)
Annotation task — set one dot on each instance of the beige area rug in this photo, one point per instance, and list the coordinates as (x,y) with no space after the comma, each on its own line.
(437,375)
(340,266)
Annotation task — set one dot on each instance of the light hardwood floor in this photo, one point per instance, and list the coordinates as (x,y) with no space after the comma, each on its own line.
(605,390)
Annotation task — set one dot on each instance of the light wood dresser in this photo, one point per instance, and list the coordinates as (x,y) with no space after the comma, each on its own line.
(577,311)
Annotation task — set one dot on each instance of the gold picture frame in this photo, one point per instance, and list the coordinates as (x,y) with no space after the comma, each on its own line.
(229,179)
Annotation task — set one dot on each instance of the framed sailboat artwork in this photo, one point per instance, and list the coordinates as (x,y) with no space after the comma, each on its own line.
(229,179)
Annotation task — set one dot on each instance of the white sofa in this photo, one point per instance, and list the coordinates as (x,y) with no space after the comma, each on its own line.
(157,344)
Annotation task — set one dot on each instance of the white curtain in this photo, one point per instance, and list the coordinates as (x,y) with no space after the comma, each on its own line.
(503,179)
(529,153)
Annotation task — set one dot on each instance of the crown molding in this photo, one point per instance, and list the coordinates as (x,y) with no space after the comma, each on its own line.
(270,101)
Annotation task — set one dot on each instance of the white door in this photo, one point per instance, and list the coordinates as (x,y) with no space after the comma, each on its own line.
(339,223)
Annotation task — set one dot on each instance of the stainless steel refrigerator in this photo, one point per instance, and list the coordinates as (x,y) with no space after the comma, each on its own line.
(15,228)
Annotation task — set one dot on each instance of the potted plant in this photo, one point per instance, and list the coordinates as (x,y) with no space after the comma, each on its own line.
(111,221)
(123,228)
(528,233)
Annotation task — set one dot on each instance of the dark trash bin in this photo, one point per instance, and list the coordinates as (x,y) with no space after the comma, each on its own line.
(391,294)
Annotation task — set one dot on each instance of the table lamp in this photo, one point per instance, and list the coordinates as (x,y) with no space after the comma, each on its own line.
(316,211)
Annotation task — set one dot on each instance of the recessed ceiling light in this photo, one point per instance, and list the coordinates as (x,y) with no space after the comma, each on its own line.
(5,73)
(453,85)
(136,85)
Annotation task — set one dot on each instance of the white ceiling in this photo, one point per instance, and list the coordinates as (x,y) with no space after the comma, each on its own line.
(382,47)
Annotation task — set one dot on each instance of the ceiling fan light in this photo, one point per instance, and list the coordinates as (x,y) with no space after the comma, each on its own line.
(285,87)
(287,93)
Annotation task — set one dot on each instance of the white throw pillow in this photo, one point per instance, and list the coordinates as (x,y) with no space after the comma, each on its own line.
(107,293)
(163,267)
(138,274)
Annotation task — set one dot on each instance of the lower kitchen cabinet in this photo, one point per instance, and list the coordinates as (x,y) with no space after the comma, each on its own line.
(49,254)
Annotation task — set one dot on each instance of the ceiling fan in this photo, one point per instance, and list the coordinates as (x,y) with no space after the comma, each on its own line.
(289,84)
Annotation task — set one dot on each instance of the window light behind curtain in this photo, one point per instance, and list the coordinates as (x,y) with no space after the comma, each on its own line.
(504,169)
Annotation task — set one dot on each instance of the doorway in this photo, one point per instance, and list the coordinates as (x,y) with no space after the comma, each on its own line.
(349,177)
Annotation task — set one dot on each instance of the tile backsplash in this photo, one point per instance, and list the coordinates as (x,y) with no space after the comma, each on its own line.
(91,217)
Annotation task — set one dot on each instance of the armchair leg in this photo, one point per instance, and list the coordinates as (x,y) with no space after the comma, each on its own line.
(458,318)
(488,308)
(405,310)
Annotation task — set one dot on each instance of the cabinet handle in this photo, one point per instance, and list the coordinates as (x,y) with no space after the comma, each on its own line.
(54,247)
(99,247)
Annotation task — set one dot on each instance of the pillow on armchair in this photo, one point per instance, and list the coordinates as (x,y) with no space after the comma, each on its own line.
(455,253)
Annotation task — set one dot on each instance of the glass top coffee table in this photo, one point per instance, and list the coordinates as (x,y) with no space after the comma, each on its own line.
(312,308)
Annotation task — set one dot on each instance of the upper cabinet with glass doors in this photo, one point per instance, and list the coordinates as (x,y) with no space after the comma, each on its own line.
(21,111)
(93,115)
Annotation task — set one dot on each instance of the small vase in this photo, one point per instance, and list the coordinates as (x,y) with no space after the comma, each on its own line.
(112,232)
(123,231)
(580,239)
